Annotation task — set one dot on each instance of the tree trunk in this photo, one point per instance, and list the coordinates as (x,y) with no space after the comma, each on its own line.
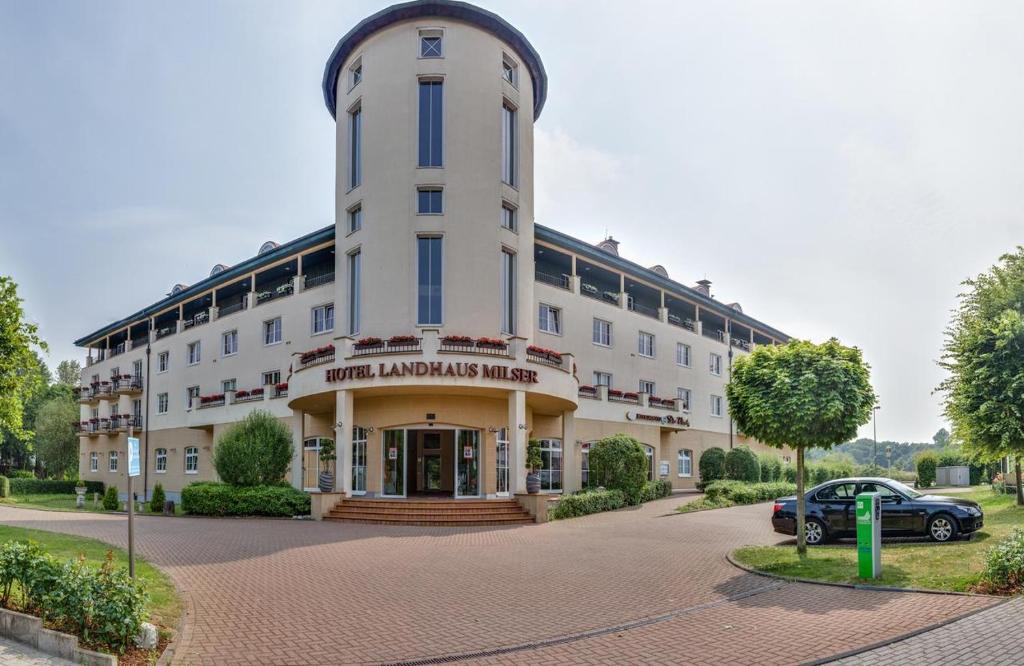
(1020,491)
(801,504)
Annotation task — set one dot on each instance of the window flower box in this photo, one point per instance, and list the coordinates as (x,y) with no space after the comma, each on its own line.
(283,386)
(315,354)
(614,393)
(256,391)
(457,340)
(491,343)
(402,340)
(543,353)
(630,395)
(241,394)
(368,343)
(653,400)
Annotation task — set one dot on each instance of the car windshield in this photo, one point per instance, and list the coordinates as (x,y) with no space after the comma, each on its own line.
(905,489)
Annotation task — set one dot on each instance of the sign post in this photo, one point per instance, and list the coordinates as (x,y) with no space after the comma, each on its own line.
(134,469)
(869,535)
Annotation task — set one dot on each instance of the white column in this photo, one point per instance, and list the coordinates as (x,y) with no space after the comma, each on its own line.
(298,429)
(570,457)
(343,412)
(517,436)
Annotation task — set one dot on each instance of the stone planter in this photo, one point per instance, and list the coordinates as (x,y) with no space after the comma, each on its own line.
(326,482)
(533,483)
(80,497)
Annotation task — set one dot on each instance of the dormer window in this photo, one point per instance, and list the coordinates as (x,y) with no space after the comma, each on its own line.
(431,45)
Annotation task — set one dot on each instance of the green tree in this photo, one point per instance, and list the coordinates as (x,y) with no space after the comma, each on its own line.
(18,341)
(56,442)
(927,462)
(984,355)
(742,465)
(941,438)
(802,395)
(619,463)
(69,373)
(255,452)
(711,465)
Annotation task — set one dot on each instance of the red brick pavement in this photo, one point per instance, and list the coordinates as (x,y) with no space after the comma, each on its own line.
(297,592)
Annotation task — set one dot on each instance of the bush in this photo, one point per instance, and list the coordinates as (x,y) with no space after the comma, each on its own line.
(655,490)
(50,487)
(741,464)
(111,502)
(591,501)
(711,466)
(771,467)
(926,461)
(1004,564)
(748,493)
(5,486)
(156,502)
(208,498)
(619,463)
(22,474)
(255,452)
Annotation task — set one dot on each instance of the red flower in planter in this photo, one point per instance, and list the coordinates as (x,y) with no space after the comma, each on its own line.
(654,400)
(369,342)
(402,340)
(241,394)
(457,340)
(614,393)
(283,386)
(630,395)
(256,391)
(492,343)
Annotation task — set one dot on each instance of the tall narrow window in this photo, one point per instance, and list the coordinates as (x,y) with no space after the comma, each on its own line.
(508,216)
(354,289)
(323,319)
(355,218)
(272,331)
(509,139)
(431,115)
(355,142)
(356,73)
(508,292)
(428,280)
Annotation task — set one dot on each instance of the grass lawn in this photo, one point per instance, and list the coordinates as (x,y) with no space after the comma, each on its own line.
(164,604)
(955,567)
(65,502)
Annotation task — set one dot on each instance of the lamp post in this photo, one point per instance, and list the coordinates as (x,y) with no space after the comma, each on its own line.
(874,424)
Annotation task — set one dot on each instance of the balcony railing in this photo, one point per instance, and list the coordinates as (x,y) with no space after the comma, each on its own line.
(627,397)
(198,319)
(545,356)
(588,392)
(640,308)
(280,390)
(398,344)
(164,331)
(714,334)
(592,291)
(745,345)
(249,396)
(271,292)
(140,342)
(317,357)
(215,400)
(128,384)
(466,345)
(84,394)
(115,350)
(560,281)
(102,390)
(231,308)
(310,281)
(682,322)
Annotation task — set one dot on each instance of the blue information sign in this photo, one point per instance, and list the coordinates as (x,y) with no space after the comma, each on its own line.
(133,457)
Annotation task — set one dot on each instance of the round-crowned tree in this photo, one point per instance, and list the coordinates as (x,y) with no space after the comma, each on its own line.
(741,464)
(619,463)
(712,465)
(255,452)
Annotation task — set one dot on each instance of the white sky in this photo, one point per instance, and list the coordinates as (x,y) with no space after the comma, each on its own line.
(836,167)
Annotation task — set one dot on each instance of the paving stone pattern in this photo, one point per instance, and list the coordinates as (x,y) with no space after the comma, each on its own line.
(297,592)
(16,654)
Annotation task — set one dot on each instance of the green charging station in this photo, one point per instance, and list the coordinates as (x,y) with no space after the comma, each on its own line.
(869,535)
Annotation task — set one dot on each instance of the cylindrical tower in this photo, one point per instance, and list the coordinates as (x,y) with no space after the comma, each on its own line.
(434,104)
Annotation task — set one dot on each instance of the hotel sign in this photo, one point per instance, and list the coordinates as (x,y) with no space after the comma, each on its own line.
(666,420)
(432,369)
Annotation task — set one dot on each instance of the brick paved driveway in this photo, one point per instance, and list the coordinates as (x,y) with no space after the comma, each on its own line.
(636,586)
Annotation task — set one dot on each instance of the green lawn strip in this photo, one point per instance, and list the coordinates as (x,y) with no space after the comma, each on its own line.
(703,504)
(67,503)
(953,567)
(164,605)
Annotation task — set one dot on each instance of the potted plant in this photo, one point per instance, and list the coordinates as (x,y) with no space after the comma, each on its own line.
(491,343)
(327,458)
(533,464)
(80,493)
(368,343)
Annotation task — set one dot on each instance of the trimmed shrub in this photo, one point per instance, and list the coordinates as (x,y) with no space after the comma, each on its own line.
(741,464)
(156,502)
(1004,564)
(50,487)
(255,452)
(926,462)
(209,498)
(748,493)
(111,502)
(771,467)
(619,463)
(22,474)
(656,490)
(591,501)
(5,486)
(711,466)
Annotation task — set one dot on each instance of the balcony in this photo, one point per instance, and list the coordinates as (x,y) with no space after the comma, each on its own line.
(198,319)
(682,322)
(215,400)
(164,331)
(640,308)
(140,343)
(127,384)
(461,344)
(606,295)
(560,281)
(274,291)
(396,344)
(589,392)
(311,281)
(232,307)
(545,356)
(628,397)
(742,344)
(714,334)
(280,390)
(252,395)
(317,356)
(86,395)
(102,390)
(662,403)
(90,428)
(116,350)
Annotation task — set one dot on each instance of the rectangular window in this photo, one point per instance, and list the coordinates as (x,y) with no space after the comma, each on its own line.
(602,378)
(716,405)
(355,218)
(355,73)
(431,116)
(191,460)
(509,140)
(682,355)
(94,462)
(228,385)
(355,141)
(163,361)
(137,369)
(323,319)
(508,216)
(112,458)
(194,350)
(229,344)
(429,201)
(508,292)
(509,70)
(715,364)
(683,396)
(272,331)
(161,403)
(550,319)
(161,460)
(684,462)
(429,280)
(647,387)
(354,289)
(431,45)
(191,397)
(271,377)
(602,333)
(645,344)
(137,409)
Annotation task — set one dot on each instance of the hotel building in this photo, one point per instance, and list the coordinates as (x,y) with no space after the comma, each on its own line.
(434,328)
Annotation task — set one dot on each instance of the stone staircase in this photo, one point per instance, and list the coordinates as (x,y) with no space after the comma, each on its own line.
(430,512)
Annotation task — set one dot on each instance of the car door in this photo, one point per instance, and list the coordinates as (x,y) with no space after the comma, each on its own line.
(836,504)
(897,511)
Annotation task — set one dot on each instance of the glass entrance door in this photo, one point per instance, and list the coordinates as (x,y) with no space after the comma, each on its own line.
(551,465)
(393,463)
(467,463)
(358,461)
(501,463)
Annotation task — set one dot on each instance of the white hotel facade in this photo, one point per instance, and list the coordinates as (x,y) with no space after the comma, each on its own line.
(434,328)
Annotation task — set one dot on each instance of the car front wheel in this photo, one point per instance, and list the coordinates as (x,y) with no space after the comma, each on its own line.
(942,528)
(814,532)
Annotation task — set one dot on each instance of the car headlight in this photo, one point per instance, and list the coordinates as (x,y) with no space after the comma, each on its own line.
(972,511)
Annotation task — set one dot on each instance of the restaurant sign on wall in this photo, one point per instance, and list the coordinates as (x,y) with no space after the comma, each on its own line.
(661,419)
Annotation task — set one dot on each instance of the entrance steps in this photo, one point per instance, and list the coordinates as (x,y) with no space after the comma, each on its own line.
(430,512)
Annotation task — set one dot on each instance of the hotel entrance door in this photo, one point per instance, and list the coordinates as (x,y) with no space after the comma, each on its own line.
(438,461)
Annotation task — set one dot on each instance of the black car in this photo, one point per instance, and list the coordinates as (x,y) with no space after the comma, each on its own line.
(831,509)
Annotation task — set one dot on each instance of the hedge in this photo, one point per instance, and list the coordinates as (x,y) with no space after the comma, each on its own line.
(771,467)
(748,493)
(741,464)
(591,501)
(926,461)
(51,487)
(711,466)
(655,490)
(5,486)
(1004,565)
(209,498)
(618,462)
